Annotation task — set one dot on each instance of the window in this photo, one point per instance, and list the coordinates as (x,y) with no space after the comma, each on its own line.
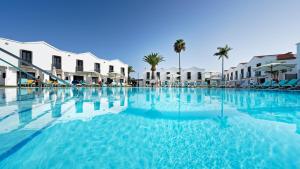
(111,68)
(189,75)
(249,71)
(158,75)
(236,75)
(199,76)
(148,75)
(231,76)
(26,56)
(258,73)
(79,65)
(97,67)
(168,77)
(56,62)
(242,73)
(123,71)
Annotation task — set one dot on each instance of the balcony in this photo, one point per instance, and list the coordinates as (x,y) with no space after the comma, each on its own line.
(79,68)
(257,74)
(56,66)
(248,74)
(242,76)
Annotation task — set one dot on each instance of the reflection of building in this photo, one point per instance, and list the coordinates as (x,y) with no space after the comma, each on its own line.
(67,65)
(58,105)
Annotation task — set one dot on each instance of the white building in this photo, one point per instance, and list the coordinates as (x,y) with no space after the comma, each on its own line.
(245,72)
(66,65)
(162,75)
(298,59)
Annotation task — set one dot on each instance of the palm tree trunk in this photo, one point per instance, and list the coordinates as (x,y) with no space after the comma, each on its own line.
(179,69)
(222,71)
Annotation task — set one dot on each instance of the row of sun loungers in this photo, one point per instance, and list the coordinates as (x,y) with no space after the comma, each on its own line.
(185,84)
(293,84)
(33,83)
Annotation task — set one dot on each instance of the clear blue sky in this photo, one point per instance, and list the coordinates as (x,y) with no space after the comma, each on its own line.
(130,29)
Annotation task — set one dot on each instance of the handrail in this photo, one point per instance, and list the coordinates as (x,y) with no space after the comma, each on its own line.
(36,67)
(18,68)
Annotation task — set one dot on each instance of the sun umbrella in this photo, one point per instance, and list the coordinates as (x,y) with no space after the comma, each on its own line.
(114,75)
(275,67)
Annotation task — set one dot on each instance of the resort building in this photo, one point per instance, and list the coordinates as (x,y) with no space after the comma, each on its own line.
(162,75)
(213,78)
(245,73)
(298,59)
(63,64)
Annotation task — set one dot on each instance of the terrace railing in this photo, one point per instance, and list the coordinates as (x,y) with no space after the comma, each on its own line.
(34,66)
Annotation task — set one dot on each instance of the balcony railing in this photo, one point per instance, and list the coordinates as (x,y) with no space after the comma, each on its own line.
(248,74)
(257,74)
(57,66)
(79,68)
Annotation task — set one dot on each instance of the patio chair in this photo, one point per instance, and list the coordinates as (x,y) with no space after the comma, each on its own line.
(30,82)
(83,83)
(113,84)
(23,82)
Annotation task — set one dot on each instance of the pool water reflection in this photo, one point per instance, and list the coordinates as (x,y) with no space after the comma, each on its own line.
(148,128)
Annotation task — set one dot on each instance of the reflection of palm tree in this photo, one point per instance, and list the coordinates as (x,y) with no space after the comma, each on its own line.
(223,120)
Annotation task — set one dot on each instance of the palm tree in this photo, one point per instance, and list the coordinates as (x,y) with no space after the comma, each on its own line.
(179,46)
(223,53)
(130,70)
(153,59)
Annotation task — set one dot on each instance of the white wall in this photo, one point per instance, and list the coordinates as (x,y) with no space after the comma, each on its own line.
(163,74)
(298,59)
(42,54)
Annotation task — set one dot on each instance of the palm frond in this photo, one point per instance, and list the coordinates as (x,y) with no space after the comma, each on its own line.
(223,52)
(179,46)
(153,59)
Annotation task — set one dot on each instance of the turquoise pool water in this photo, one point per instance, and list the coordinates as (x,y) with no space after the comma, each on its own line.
(149,128)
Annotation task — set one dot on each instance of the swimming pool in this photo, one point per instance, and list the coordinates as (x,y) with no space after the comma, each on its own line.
(149,128)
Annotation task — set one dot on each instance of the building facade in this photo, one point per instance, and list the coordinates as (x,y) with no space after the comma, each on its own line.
(66,65)
(162,75)
(245,74)
(298,59)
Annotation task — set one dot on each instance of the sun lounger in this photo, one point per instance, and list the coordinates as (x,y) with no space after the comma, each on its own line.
(266,84)
(186,84)
(290,84)
(296,87)
(198,84)
(279,84)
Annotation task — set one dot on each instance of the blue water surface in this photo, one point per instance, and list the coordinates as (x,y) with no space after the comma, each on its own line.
(148,128)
